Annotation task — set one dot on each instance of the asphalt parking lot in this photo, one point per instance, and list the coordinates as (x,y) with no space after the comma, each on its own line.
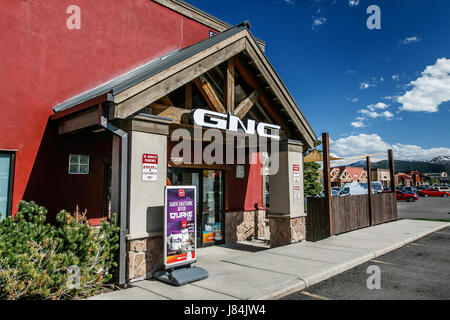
(417,271)
(425,208)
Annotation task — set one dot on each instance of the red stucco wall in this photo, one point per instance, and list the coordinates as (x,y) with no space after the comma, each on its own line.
(44,63)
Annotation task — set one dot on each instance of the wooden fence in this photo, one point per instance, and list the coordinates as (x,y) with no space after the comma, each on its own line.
(348,213)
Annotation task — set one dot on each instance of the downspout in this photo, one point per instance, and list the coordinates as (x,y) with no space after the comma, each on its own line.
(123,190)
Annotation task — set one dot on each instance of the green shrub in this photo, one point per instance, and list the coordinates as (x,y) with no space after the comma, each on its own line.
(36,258)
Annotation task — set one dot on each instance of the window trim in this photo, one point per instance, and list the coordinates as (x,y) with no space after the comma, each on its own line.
(12,165)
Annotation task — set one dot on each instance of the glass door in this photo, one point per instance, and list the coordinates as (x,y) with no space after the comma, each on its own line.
(210,201)
(213,213)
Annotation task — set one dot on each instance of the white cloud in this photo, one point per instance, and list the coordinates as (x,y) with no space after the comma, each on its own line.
(318,22)
(379,105)
(388,115)
(352,99)
(365,85)
(351,71)
(359,123)
(396,77)
(371,113)
(429,90)
(408,40)
(372,143)
(353,3)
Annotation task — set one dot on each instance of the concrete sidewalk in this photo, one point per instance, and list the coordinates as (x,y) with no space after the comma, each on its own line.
(274,273)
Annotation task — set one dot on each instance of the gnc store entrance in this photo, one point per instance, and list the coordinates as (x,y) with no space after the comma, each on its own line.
(210,201)
(224,83)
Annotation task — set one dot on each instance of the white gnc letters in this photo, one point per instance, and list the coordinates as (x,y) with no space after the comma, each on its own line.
(221,121)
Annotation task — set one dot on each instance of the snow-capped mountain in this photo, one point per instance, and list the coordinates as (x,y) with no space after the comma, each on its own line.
(441,160)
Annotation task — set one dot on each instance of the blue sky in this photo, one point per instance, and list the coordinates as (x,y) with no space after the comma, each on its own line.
(365,87)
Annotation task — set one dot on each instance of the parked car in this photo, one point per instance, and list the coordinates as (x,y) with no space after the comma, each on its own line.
(411,189)
(377,186)
(333,193)
(352,189)
(403,196)
(443,188)
(433,192)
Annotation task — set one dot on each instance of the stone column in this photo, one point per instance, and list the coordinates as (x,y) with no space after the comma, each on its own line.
(287,216)
(148,135)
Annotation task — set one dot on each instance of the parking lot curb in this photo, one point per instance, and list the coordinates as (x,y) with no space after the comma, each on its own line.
(338,269)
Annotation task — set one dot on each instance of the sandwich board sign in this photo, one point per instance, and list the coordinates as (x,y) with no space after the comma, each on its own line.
(180,229)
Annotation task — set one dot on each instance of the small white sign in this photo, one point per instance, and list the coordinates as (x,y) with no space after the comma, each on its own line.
(240,171)
(149,167)
(297,193)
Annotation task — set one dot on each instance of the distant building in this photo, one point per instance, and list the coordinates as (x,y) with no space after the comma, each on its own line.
(381,175)
(342,175)
(404,179)
(417,177)
(441,176)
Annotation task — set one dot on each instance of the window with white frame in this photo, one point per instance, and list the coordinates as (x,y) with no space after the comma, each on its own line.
(78,164)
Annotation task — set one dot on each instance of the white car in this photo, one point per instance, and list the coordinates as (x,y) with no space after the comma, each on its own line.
(352,189)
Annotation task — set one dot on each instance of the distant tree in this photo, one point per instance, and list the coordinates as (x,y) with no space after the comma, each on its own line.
(311,175)
(434,181)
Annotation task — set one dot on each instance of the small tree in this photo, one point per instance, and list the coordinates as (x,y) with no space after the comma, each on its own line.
(311,175)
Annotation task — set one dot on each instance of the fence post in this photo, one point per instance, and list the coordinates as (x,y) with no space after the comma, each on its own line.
(369,189)
(326,177)
(393,184)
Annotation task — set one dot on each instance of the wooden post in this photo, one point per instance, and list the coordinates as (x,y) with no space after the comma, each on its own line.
(393,184)
(369,189)
(188,95)
(229,87)
(326,177)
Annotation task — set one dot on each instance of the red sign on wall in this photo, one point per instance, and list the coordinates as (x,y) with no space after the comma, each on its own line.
(149,167)
(296,173)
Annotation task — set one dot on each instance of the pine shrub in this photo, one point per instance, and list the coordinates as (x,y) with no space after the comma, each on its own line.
(37,259)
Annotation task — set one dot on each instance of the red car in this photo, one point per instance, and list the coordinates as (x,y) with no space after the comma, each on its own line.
(433,192)
(402,196)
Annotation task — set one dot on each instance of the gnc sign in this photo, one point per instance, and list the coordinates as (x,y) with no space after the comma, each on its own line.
(221,121)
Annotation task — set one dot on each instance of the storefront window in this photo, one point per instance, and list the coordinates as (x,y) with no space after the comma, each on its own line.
(210,201)
(5,183)
(212,206)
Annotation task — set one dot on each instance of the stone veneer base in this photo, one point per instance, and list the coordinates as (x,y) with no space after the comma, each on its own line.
(145,256)
(286,230)
(244,225)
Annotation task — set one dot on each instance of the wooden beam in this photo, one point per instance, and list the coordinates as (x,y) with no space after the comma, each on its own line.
(199,57)
(269,75)
(244,107)
(229,87)
(209,94)
(326,180)
(250,78)
(178,115)
(369,190)
(188,96)
(79,121)
(263,112)
(173,81)
(166,100)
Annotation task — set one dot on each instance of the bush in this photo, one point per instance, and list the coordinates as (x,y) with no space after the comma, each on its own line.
(42,261)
